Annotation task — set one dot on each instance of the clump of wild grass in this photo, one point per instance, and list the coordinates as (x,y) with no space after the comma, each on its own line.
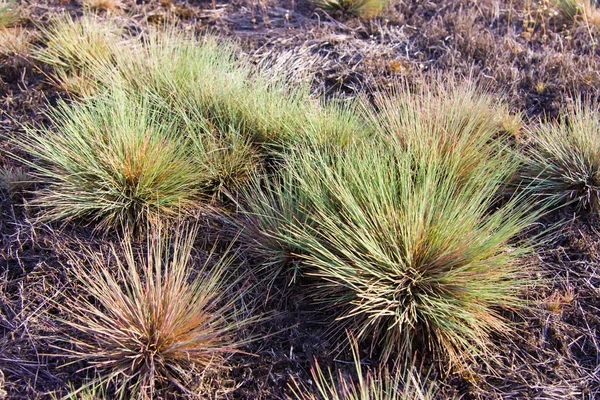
(272,205)
(208,80)
(578,10)
(358,8)
(14,180)
(403,383)
(178,120)
(76,48)
(562,165)
(145,321)
(446,119)
(403,247)
(205,113)
(114,159)
(8,14)
(15,42)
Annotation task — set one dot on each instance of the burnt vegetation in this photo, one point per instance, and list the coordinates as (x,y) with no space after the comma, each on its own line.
(279,199)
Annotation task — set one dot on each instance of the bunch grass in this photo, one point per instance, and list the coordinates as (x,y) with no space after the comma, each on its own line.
(115,160)
(15,41)
(151,320)
(213,85)
(9,16)
(78,47)
(204,117)
(403,246)
(445,119)
(562,166)
(579,10)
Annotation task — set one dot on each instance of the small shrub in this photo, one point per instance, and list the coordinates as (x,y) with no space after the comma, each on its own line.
(358,8)
(404,384)
(404,247)
(146,320)
(115,160)
(562,165)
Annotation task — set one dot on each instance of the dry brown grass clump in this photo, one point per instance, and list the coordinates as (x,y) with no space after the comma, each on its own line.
(102,5)
(358,8)
(151,320)
(15,42)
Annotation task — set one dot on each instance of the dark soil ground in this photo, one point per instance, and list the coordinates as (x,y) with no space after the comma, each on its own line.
(519,48)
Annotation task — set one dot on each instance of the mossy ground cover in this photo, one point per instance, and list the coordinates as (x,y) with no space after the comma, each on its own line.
(265,200)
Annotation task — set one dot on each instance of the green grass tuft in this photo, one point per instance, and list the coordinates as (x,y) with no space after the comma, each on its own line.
(444,119)
(208,80)
(573,11)
(176,121)
(562,165)
(74,49)
(8,14)
(114,159)
(404,248)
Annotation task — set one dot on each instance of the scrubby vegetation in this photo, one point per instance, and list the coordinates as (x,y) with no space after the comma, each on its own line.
(187,216)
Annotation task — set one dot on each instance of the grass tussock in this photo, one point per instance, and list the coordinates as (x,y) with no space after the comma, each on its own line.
(562,165)
(9,16)
(76,48)
(575,11)
(115,160)
(109,6)
(211,83)
(357,8)
(177,121)
(444,119)
(405,383)
(151,320)
(404,248)
(15,42)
